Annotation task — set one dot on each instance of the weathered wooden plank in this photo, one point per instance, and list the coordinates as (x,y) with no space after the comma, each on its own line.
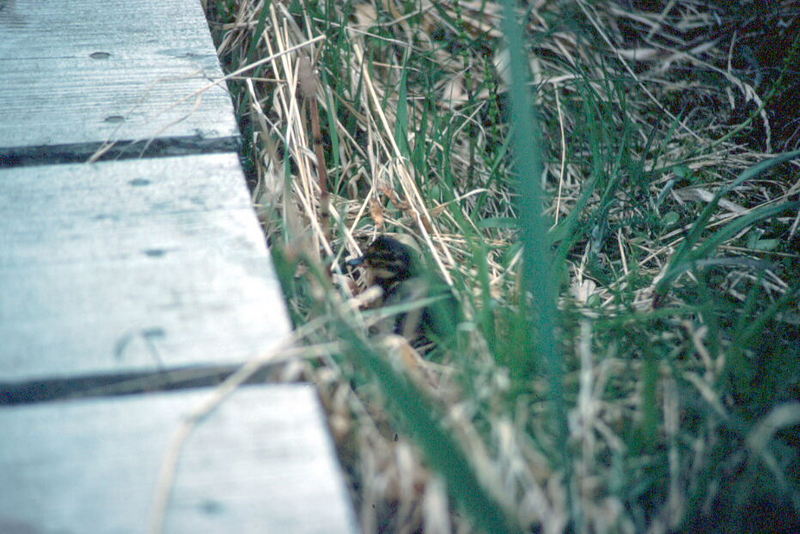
(77,73)
(135,265)
(79,213)
(261,463)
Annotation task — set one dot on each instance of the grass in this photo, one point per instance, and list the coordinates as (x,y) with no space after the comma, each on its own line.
(610,189)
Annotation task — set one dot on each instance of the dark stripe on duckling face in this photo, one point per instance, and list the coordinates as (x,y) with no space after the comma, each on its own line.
(388,261)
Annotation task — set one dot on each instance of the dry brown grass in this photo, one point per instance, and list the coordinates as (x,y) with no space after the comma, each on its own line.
(651,107)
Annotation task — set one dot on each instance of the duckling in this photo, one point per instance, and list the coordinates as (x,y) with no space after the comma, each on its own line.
(398,270)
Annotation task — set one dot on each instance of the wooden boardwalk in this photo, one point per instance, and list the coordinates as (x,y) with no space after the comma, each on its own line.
(143,270)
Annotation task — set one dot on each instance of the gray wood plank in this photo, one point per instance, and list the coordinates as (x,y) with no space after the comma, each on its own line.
(109,210)
(136,265)
(261,463)
(87,71)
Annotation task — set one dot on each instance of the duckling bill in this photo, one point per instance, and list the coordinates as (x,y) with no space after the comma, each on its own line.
(398,271)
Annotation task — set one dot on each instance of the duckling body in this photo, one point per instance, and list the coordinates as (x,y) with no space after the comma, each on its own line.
(398,271)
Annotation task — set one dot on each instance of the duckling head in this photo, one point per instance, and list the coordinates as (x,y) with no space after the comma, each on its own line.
(388,262)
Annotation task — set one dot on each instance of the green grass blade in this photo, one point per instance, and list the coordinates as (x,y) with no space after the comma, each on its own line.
(733,228)
(256,37)
(401,125)
(699,256)
(537,257)
(700,225)
(419,416)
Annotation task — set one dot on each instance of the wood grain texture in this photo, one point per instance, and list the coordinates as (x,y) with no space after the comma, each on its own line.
(121,270)
(88,71)
(136,265)
(261,463)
